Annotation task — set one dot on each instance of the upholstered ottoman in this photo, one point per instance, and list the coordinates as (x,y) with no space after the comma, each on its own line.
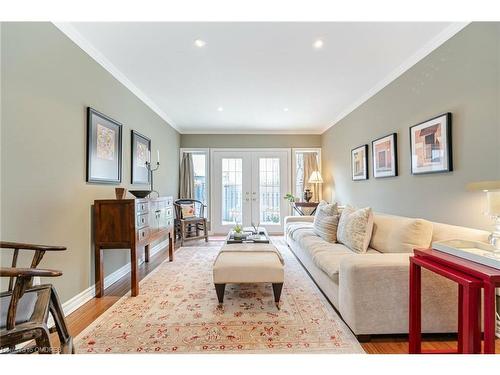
(248,263)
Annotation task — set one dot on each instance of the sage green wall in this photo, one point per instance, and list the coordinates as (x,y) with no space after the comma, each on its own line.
(249,140)
(463,77)
(47,83)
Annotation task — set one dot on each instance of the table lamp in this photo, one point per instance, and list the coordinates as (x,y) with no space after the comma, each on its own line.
(315,179)
(492,190)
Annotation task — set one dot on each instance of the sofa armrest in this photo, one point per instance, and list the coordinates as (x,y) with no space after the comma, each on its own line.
(298,219)
(374,294)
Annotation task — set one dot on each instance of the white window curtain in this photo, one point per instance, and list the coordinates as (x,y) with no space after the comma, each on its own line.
(186,183)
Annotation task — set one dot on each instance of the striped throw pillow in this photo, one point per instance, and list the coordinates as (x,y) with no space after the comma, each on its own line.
(326,221)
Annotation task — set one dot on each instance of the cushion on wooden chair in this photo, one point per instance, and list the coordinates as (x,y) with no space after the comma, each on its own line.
(187,211)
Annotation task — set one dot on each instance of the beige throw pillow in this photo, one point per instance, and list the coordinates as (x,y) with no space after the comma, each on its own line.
(326,220)
(355,228)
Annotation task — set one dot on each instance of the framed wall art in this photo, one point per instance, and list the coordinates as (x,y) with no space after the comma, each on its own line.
(359,163)
(385,156)
(104,148)
(141,153)
(430,145)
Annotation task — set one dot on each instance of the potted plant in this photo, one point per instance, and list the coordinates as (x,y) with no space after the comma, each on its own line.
(289,197)
(238,231)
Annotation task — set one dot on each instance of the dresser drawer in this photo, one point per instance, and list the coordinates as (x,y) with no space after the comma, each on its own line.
(141,207)
(170,222)
(170,201)
(142,220)
(142,234)
(169,212)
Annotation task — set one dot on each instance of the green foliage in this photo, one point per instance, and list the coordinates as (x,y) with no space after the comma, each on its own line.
(289,197)
(238,228)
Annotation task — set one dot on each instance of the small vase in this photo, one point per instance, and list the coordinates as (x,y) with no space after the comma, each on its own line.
(120,193)
(307,195)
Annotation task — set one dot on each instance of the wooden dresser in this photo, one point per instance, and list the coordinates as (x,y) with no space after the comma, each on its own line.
(130,224)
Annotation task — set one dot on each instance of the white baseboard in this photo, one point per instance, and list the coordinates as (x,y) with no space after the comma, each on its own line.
(83,297)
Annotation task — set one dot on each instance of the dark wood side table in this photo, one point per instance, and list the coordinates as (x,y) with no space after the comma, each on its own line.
(130,224)
(489,278)
(299,207)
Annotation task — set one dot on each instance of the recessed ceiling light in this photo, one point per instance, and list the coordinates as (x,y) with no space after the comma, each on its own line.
(318,44)
(200,43)
(285,109)
(220,109)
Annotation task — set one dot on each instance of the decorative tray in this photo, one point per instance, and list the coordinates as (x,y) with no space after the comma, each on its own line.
(475,251)
(248,237)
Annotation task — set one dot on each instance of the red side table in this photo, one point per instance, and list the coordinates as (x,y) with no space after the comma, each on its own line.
(489,279)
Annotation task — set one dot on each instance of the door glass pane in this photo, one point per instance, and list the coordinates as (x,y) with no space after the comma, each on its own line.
(269,191)
(232,190)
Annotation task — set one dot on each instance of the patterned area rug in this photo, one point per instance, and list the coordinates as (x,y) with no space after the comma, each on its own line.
(177,312)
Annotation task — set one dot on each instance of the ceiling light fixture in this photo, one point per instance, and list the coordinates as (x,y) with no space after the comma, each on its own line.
(220,109)
(318,44)
(200,43)
(285,109)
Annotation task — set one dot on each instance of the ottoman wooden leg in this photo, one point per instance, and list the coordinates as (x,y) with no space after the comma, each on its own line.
(219,289)
(277,287)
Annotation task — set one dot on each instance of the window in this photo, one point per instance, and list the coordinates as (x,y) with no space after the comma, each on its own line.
(298,173)
(201,175)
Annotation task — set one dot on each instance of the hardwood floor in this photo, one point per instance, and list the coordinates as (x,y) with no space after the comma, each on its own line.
(86,314)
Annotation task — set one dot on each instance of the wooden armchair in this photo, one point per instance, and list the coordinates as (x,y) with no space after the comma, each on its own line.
(188,227)
(25,308)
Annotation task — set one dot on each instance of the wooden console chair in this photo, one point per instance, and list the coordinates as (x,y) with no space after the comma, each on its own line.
(25,308)
(189,228)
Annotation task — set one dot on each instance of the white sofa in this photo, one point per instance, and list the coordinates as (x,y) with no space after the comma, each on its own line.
(370,290)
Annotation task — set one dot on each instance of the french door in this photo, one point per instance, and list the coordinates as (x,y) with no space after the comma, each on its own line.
(248,187)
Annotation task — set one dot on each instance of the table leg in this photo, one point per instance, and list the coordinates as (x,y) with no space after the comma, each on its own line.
(415,329)
(170,247)
(99,273)
(476,295)
(468,308)
(133,265)
(489,318)
(460,348)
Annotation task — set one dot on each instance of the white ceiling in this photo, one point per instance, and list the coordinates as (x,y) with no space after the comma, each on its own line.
(255,70)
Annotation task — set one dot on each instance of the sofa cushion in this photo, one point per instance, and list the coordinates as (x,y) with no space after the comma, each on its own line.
(328,209)
(442,232)
(326,221)
(396,234)
(329,259)
(355,228)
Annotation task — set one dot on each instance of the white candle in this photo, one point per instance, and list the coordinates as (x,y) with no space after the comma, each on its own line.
(149,157)
(158,155)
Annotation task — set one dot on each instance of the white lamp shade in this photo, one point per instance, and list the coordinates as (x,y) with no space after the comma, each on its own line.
(315,178)
(493,203)
(484,186)
(492,190)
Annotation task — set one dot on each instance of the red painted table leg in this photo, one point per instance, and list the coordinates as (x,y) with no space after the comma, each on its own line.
(415,331)
(489,318)
(460,348)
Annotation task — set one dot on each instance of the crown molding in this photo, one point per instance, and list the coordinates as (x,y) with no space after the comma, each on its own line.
(255,132)
(73,34)
(434,43)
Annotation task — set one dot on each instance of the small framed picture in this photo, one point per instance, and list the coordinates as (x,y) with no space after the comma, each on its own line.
(430,144)
(141,153)
(385,156)
(359,163)
(104,148)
